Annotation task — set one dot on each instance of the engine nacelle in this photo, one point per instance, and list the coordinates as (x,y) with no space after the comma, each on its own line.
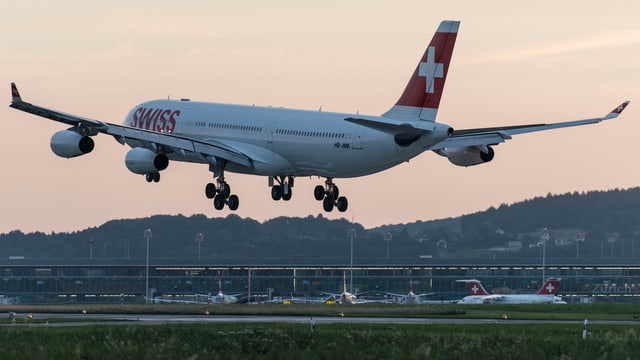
(469,155)
(144,161)
(68,144)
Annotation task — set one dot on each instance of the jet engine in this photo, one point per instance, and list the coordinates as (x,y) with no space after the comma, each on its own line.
(144,161)
(68,144)
(468,155)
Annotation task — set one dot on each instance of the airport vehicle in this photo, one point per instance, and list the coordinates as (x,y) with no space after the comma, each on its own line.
(283,144)
(546,294)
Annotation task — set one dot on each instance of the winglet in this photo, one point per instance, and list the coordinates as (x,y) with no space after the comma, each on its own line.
(617,111)
(15,95)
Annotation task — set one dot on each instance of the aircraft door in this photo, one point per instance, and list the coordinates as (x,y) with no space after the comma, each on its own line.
(356,138)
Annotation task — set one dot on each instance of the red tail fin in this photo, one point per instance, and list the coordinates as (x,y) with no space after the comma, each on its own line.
(475,288)
(550,287)
(421,97)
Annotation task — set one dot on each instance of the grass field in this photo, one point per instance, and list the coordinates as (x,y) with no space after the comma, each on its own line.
(499,340)
(328,341)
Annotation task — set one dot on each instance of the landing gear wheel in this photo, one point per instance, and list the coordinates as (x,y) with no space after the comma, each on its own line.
(233,202)
(152,177)
(218,202)
(210,191)
(287,196)
(342,204)
(276,192)
(328,204)
(225,190)
(318,192)
(335,191)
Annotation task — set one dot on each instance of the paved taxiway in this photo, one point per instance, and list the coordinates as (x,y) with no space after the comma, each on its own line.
(117,319)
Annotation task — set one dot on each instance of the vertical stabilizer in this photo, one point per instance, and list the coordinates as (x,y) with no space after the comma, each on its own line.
(476,288)
(550,287)
(421,96)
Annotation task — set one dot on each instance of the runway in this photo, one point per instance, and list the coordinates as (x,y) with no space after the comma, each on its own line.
(58,319)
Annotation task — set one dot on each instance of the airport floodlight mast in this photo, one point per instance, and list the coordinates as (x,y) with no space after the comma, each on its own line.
(147,235)
(199,240)
(249,246)
(91,241)
(387,238)
(544,238)
(352,234)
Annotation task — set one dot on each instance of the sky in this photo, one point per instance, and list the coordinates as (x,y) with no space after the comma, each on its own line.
(514,63)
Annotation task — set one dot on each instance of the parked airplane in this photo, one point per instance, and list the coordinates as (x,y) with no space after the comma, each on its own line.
(220,297)
(350,298)
(282,144)
(546,294)
(411,297)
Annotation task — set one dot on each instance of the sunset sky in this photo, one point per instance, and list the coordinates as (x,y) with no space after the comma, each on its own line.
(514,63)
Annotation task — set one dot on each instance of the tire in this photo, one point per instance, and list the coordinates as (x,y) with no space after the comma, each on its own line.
(210,191)
(148,177)
(342,204)
(318,192)
(218,202)
(335,191)
(156,177)
(328,204)
(225,191)
(276,192)
(287,196)
(233,202)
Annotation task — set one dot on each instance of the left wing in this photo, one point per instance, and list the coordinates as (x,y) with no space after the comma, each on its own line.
(496,135)
(152,140)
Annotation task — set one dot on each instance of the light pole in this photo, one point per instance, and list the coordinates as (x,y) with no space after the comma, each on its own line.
(249,246)
(199,240)
(387,238)
(91,241)
(544,238)
(147,235)
(352,234)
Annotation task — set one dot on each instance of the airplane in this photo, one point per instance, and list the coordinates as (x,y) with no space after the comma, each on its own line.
(345,297)
(282,144)
(349,298)
(220,297)
(411,297)
(546,294)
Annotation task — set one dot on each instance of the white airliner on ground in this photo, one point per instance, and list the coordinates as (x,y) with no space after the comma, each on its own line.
(282,144)
(411,297)
(220,297)
(546,295)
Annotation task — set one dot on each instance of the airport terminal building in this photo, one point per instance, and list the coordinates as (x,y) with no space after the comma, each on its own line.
(40,281)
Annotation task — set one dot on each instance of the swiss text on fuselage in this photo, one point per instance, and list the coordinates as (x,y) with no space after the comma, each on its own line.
(158,120)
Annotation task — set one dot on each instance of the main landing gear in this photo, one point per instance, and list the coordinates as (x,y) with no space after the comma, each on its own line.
(221,194)
(281,190)
(330,196)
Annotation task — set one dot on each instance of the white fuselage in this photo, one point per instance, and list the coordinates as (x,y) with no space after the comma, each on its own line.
(512,299)
(280,141)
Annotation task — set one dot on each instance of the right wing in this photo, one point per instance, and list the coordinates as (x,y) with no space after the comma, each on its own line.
(210,150)
(496,135)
